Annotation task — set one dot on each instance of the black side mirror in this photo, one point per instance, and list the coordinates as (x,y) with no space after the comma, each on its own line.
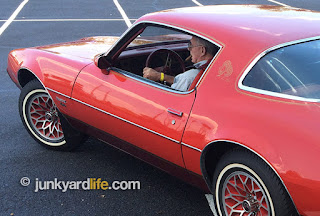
(101,62)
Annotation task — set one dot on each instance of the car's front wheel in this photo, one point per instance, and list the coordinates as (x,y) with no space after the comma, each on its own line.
(244,185)
(41,118)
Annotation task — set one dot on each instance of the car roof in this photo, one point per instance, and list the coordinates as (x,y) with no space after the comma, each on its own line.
(259,26)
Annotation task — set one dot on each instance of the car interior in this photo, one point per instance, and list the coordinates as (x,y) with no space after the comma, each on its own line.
(161,48)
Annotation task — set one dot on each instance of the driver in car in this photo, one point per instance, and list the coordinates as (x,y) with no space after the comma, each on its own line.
(201,53)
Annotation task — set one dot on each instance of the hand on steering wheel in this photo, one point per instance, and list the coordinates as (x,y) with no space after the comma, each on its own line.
(171,55)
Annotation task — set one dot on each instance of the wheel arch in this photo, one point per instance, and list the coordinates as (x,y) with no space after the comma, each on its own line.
(71,139)
(210,157)
(25,75)
(213,152)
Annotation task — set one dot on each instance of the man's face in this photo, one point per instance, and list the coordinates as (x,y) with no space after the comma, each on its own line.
(195,50)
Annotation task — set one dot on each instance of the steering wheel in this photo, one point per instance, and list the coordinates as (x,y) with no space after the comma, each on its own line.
(167,68)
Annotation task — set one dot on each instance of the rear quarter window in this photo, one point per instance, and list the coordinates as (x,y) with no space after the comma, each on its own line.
(289,71)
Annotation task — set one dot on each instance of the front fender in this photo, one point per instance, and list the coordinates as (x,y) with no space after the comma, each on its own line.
(56,72)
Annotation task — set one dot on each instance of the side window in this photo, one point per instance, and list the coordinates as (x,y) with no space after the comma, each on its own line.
(135,57)
(293,70)
(166,51)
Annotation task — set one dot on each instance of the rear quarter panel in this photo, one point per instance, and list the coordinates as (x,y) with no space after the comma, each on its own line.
(285,133)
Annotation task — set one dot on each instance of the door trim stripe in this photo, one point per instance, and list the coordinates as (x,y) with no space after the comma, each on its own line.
(127,121)
(122,119)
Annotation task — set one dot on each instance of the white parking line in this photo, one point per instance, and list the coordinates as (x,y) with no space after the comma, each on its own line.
(123,14)
(64,20)
(12,17)
(197,3)
(211,204)
(279,3)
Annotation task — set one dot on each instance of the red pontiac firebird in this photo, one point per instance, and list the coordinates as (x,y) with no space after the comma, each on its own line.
(248,126)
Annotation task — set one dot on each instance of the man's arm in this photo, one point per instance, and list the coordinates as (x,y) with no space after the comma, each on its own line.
(152,74)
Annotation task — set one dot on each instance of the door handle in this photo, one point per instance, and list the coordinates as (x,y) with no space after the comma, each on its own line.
(175,112)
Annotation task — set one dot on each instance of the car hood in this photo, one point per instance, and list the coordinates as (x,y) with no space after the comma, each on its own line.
(83,48)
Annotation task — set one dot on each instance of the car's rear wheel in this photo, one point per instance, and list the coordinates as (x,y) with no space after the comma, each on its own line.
(244,185)
(42,120)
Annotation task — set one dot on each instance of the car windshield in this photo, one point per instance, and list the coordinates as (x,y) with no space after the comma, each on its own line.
(292,70)
(155,34)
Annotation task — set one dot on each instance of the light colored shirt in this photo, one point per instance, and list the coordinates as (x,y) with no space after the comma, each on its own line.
(183,81)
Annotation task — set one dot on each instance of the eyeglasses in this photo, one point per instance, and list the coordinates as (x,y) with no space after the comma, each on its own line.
(190,46)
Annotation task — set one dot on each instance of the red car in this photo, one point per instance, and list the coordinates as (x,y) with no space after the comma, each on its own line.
(247,126)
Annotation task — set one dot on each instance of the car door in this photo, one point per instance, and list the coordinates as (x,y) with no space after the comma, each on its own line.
(143,114)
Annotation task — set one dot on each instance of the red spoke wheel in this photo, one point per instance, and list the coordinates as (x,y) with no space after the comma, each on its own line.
(41,118)
(244,185)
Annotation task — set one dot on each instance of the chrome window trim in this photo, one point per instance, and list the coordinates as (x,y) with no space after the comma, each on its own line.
(270,93)
(173,27)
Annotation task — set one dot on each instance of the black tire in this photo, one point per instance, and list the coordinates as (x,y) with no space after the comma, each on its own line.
(43,121)
(237,173)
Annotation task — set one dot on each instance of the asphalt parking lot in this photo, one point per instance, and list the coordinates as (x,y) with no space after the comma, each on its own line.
(42,22)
